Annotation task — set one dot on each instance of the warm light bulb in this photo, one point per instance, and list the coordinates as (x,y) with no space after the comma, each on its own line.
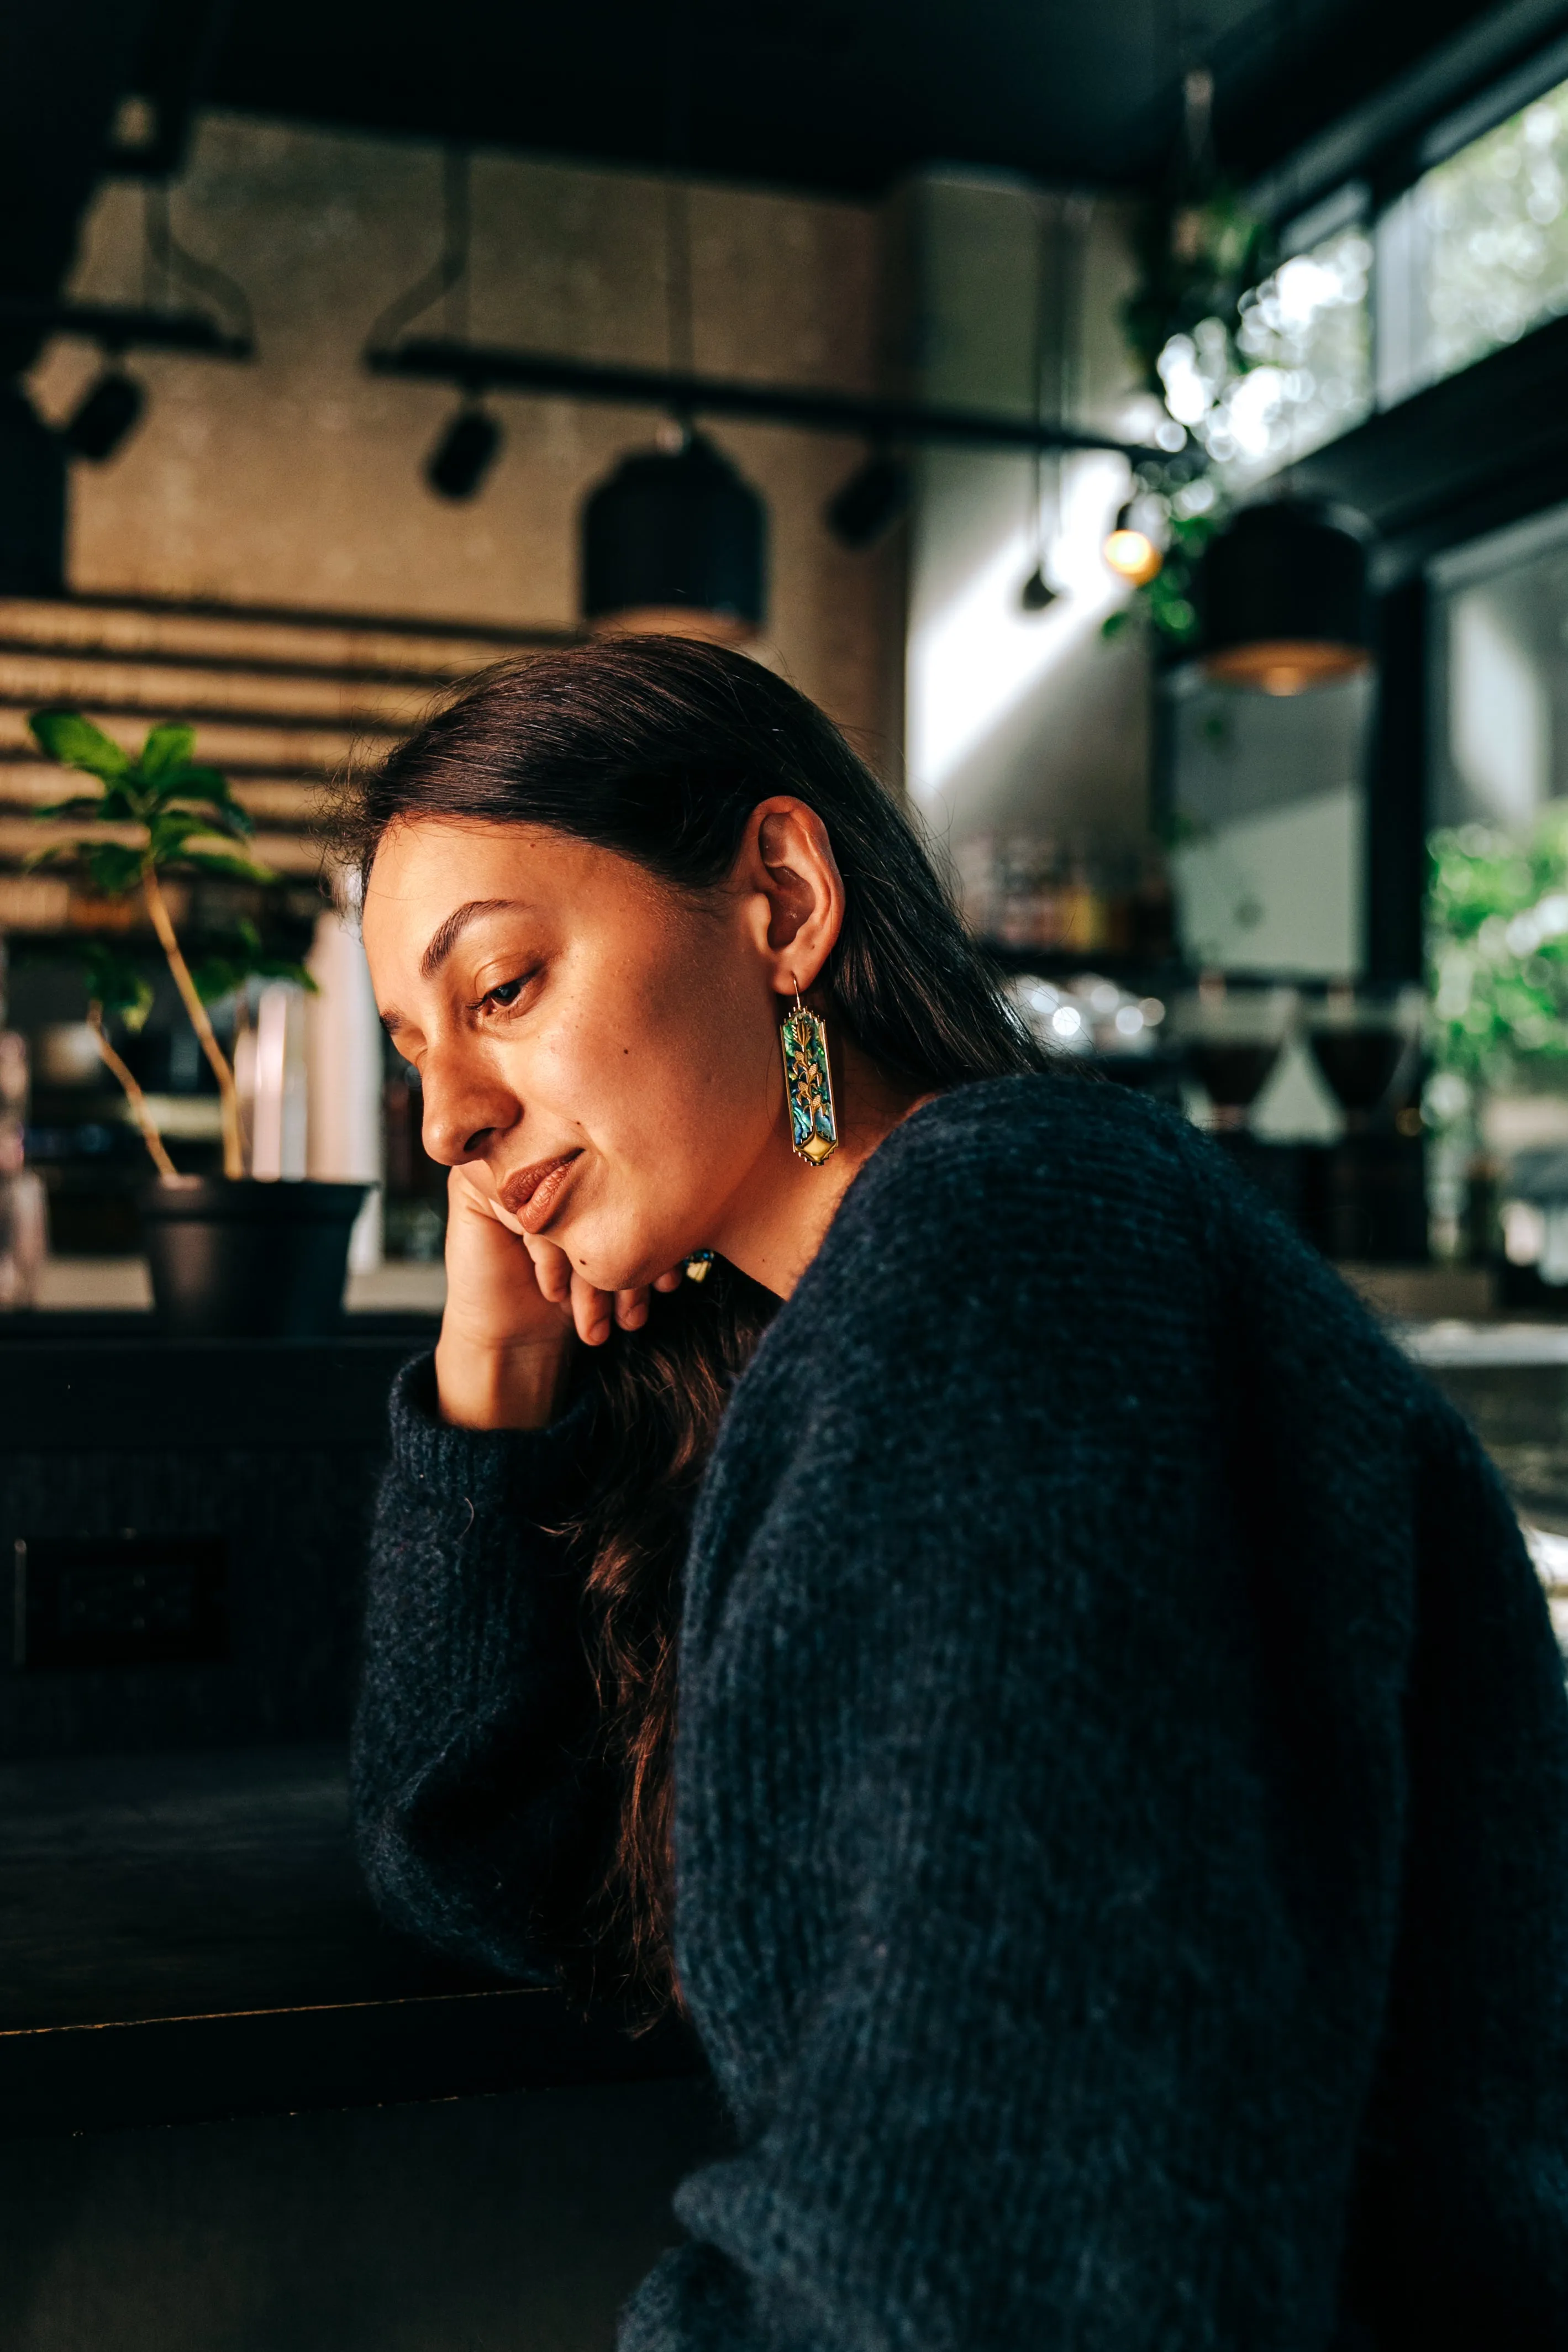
(1133,554)
(1287,665)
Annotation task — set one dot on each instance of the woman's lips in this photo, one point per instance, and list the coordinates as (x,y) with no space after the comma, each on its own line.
(533,1194)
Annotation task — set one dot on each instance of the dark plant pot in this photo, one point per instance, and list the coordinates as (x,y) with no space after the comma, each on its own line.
(245,1260)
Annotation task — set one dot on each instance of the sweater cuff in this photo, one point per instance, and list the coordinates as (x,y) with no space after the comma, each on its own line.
(527,1470)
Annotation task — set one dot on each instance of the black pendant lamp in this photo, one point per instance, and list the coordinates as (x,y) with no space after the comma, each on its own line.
(1285,600)
(675,540)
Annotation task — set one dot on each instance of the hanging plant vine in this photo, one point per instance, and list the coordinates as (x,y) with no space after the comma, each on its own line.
(1200,254)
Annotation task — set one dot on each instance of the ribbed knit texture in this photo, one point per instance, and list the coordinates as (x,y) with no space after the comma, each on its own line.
(480,1823)
(1123,1781)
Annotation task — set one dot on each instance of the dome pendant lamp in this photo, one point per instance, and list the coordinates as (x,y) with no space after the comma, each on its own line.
(1285,600)
(675,540)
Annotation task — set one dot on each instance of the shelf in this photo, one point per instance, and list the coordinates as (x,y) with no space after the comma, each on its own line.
(121,1285)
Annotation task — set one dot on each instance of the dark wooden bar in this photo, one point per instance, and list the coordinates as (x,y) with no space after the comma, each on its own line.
(184,1938)
(184,1934)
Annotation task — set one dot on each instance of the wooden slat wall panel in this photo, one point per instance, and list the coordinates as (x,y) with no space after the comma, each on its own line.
(158,687)
(296,641)
(233,745)
(282,702)
(280,799)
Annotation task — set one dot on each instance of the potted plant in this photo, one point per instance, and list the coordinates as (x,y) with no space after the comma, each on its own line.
(228,1255)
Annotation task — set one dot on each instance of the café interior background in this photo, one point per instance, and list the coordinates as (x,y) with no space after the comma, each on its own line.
(1142,429)
(1167,867)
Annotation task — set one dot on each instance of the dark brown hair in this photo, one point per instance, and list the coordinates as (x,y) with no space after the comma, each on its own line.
(660,747)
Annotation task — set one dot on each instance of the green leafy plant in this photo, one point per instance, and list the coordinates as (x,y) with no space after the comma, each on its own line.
(1169,601)
(1201,254)
(1197,255)
(1497,930)
(170,815)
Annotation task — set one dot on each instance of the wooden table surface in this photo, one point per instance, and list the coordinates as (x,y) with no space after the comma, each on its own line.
(185,1937)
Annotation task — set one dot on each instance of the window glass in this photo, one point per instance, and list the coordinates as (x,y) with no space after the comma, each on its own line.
(1308,329)
(1306,336)
(1492,239)
(1470,258)
(1499,676)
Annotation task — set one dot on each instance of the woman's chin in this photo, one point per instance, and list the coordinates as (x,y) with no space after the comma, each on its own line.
(615,1269)
(617,1256)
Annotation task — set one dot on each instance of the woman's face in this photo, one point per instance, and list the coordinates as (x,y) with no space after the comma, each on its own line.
(601,1047)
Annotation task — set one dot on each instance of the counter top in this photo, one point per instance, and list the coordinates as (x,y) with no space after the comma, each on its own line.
(398,1286)
(1452,1343)
(185,1937)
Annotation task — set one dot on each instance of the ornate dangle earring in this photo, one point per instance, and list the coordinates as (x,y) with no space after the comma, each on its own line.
(808,1086)
(697,1265)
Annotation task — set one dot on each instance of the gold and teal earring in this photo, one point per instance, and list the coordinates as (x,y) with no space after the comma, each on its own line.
(808,1086)
(697,1265)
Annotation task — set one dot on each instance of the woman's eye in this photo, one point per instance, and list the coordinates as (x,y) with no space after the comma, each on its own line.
(506,993)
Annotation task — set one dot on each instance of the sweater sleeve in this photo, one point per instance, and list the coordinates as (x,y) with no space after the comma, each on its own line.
(478,1815)
(1460,2236)
(1041,1791)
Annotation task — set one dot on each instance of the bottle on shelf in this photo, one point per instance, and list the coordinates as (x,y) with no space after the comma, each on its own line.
(23,1223)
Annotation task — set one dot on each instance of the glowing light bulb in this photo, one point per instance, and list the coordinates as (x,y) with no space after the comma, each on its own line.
(1133,554)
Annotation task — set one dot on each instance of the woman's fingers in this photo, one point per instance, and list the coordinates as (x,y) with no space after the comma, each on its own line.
(591,1311)
(488,1271)
(552,1269)
(594,1312)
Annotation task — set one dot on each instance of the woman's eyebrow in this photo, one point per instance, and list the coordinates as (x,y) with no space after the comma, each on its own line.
(446,938)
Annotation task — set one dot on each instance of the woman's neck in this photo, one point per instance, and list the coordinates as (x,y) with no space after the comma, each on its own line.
(778,1220)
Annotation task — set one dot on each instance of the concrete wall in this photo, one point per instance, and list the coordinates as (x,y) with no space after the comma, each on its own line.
(1016,721)
(296,480)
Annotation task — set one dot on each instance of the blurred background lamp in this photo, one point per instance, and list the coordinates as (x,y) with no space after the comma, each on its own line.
(464,455)
(675,540)
(1284,599)
(869,503)
(1131,552)
(108,413)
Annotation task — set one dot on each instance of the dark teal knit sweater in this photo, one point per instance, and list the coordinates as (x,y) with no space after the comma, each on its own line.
(1123,1781)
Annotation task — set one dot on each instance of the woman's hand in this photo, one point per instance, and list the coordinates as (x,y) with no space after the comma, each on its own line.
(516,1309)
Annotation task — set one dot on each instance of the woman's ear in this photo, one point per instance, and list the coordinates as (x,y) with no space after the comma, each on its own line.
(787,867)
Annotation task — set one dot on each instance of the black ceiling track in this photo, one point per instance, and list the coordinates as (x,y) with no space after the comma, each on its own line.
(117,327)
(477,368)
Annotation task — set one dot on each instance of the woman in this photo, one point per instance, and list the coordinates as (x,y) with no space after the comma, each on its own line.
(1062,1703)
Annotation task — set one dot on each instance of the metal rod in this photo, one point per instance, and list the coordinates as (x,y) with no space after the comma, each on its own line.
(477,368)
(122,327)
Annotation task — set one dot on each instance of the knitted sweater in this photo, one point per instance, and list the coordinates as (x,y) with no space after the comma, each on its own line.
(1122,1784)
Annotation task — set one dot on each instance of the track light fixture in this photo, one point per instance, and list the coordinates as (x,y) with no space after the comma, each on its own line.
(107,414)
(1036,592)
(464,455)
(470,445)
(1059,264)
(869,503)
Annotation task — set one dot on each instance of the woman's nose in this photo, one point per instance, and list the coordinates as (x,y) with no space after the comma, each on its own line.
(465,1108)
